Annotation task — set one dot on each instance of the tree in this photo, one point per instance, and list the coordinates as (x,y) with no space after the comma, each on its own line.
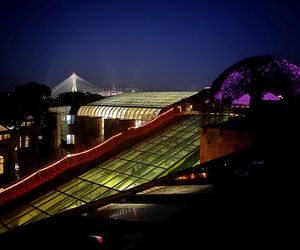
(31,99)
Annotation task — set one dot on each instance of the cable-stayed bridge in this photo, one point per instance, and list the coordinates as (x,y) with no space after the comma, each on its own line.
(75,83)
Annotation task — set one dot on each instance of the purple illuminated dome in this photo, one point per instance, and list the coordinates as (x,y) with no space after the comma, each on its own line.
(263,77)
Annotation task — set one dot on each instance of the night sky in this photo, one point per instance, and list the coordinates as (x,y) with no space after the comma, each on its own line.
(150,45)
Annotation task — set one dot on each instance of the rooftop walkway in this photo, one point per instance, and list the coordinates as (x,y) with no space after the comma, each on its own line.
(155,149)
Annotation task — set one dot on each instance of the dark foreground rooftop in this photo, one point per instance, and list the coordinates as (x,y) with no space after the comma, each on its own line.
(247,199)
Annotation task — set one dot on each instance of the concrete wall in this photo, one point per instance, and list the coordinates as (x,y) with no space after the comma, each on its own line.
(88,132)
(116,126)
(215,142)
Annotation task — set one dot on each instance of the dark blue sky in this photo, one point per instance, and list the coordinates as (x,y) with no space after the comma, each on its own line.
(151,45)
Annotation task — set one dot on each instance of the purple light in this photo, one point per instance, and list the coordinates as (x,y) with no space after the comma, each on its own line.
(275,75)
(243,100)
(271,97)
(233,85)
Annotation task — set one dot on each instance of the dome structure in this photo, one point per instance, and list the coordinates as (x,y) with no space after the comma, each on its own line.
(258,77)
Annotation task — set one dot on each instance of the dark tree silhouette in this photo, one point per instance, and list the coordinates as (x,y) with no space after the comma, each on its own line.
(7,108)
(31,99)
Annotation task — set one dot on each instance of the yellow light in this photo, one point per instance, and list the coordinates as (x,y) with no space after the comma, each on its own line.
(204,175)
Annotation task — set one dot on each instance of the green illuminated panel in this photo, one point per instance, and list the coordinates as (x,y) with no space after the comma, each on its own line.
(147,160)
(106,194)
(24,218)
(95,193)
(144,99)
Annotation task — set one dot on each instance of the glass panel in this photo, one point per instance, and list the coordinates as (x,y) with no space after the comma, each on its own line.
(81,193)
(80,186)
(14,215)
(55,200)
(116,180)
(71,184)
(23,219)
(108,164)
(95,193)
(106,194)
(125,183)
(147,158)
(124,168)
(98,176)
(134,155)
(154,173)
(136,183)
(146,147)
(44,198)
(3,229)
(106,178)
(143,171)
(61,203)
(90,173)
(77,203)
(116,164)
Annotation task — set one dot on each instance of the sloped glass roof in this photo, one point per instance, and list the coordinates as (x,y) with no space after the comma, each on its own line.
(152,158)
(144,99)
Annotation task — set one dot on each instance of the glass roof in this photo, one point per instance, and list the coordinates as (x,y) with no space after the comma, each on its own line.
(152,158)
(144,99)
(145,114)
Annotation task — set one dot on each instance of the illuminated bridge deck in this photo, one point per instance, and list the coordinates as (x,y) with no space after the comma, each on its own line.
(175,147)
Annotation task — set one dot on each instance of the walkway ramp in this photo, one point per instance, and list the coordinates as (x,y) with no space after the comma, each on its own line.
(173,148)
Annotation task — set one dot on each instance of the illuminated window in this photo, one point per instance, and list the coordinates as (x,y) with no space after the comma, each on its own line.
(138,123)
(1,164)
(20,141)
(70,119)
(26,141)
(4,137)
(70,139)
(26,124)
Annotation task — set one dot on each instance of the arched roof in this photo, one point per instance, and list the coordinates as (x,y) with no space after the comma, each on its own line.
(142,106)
(257,75)
(145,114)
